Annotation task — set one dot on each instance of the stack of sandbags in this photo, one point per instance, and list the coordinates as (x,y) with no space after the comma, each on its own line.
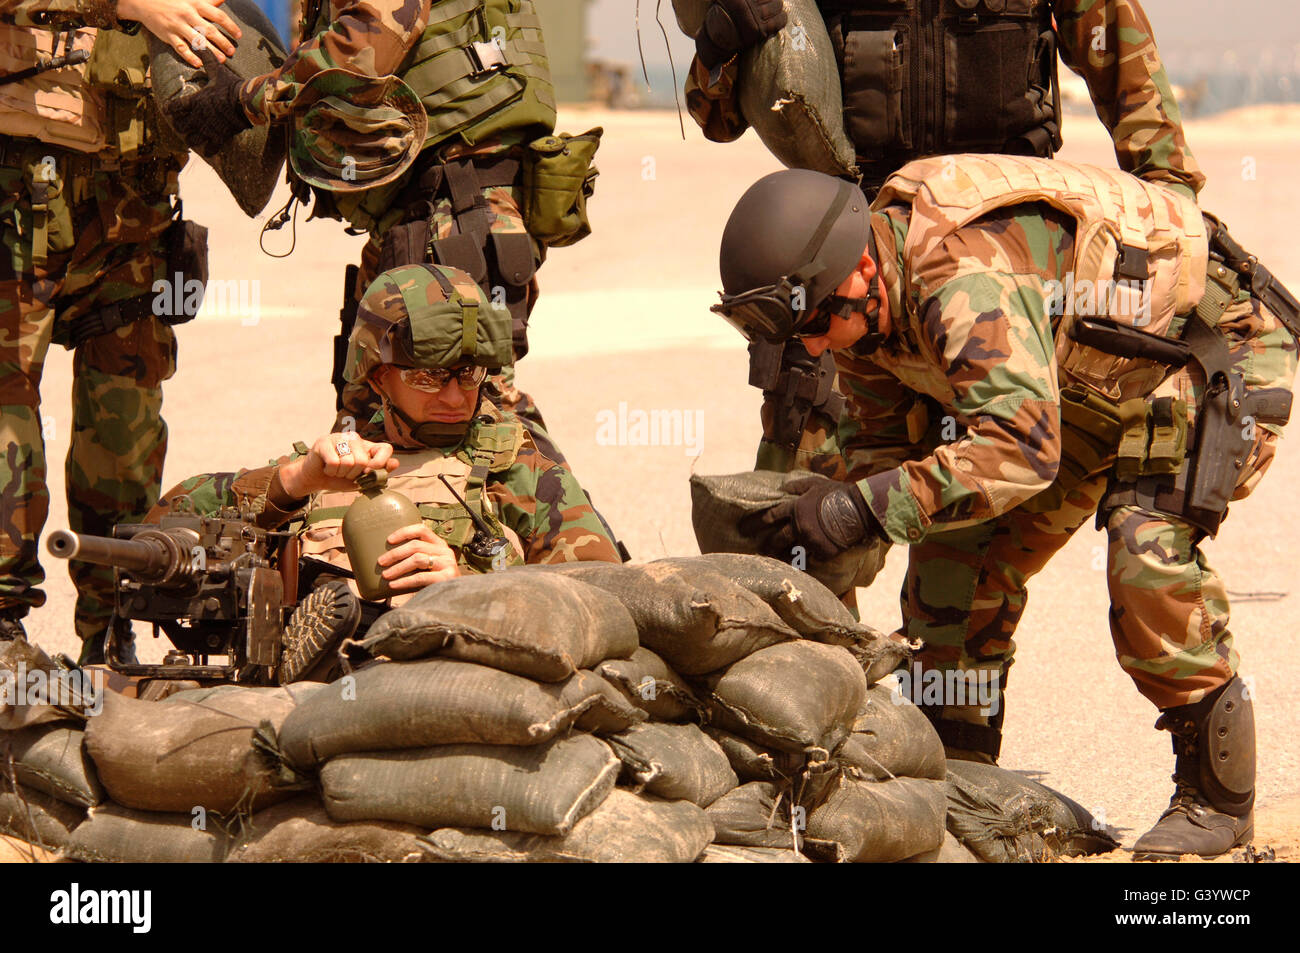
(179,773)
(46,780)
(480,721)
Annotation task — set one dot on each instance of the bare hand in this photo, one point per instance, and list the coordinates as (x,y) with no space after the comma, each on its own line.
(334,463)
(418,558)
(186,26)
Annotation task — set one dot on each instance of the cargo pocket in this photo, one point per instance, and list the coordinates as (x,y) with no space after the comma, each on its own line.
(559,178)
(988,71)
(875,90)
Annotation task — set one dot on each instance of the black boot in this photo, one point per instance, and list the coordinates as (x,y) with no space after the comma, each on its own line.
(329,614)
(1212,810)
(11,626)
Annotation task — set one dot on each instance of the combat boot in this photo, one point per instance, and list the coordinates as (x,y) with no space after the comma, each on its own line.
(1212,810)
(11,626)
(329,614)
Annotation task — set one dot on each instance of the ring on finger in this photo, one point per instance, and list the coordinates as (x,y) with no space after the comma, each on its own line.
(344,448)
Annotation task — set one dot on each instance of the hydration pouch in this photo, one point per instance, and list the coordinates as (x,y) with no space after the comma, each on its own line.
(186,245)
(559,178)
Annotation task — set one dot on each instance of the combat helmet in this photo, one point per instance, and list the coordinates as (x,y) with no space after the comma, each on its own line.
(791,240)
(427,316)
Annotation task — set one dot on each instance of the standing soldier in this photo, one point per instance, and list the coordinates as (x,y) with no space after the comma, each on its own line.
(1026,343)
(429,125)
(89,223)
(941,77)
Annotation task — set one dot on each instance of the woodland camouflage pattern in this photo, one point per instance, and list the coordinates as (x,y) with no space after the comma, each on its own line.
(535,497)
(105,247)
(1107,42)
(953,433)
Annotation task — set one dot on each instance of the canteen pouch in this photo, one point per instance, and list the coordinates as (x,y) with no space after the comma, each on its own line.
(559,178)
(186,245)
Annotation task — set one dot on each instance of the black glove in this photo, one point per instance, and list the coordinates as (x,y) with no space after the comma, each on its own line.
(826,518)
(208,119)
(734,25)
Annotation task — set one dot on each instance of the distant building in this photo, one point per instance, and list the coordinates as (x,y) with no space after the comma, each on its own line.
(565,24)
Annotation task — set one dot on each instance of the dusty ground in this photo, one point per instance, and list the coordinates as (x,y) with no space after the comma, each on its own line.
(623,320)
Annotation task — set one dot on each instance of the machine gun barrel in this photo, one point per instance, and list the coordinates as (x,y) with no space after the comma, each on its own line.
(156,556)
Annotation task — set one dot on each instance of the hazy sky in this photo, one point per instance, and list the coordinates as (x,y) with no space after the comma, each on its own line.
(1193,34)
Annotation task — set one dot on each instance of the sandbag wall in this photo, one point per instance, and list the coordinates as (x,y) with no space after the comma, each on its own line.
(720,708)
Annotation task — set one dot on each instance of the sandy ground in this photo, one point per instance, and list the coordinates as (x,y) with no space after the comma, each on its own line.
(623,320)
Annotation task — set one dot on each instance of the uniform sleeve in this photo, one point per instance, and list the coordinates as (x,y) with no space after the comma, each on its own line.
(715,107)
(256,491)
(1109,44)
(874,431)
(370,37)
(96,13)
(993,341)
(542,502)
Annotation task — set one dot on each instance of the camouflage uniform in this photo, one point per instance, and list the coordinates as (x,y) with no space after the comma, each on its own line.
(98,243)
(957,435)
(375,38)
(1107,42)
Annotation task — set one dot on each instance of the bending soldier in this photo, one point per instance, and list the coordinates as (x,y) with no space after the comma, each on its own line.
(89,221)
(1011,369)
(941,77)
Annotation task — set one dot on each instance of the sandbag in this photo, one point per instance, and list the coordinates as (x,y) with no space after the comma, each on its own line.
(761,814)
(300,832)
(394,705)
(541,625)
(647,682)
(52,758)
(753,762)
(730,854)
(951,851)
(892,738)
(789,89)
(678,762)
(1004,817)
(609,712)
(626,829)
(881,821)
(697,621)
(192,750)
(539,789)
(113,834)
(800,696)
(37,818)
(719,503)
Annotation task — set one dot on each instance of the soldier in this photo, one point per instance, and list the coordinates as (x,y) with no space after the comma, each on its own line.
(935,77)
(480,73)
(426,338)
(89,222)
(1012,368)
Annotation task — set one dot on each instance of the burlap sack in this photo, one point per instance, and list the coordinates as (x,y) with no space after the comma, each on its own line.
(677,762)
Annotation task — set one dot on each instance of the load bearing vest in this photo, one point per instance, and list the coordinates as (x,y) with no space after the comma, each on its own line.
(493,449)
(1140,249)
(101,105)
(479,68)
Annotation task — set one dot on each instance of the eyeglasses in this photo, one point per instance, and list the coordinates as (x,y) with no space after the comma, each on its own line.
(431,380)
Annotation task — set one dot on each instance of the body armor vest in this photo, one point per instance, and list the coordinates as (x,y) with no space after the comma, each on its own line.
(100,106)
(479,68)
(1140,253)
(925,77)
(492,448)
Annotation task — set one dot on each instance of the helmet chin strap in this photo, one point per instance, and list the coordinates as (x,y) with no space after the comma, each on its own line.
(868,306)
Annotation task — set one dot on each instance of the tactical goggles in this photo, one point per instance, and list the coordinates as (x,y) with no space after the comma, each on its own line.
(766,313)
(431,380)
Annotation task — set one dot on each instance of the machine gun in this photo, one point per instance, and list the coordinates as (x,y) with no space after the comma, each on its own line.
(212,584)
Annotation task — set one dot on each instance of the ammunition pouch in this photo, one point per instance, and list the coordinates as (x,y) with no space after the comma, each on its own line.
(501,263)
(185,245)
(559,178)
(794,384)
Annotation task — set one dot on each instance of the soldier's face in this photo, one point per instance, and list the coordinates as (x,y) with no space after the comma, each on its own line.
(843,332)
(451,405)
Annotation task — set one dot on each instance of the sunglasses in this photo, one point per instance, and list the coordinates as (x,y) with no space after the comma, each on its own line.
(431,380)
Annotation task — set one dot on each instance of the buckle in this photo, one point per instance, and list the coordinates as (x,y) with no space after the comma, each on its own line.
(1131,262)
(486,57)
